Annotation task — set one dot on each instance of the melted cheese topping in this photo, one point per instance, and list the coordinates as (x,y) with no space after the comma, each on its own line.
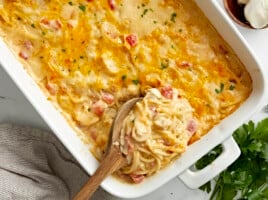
(91,56)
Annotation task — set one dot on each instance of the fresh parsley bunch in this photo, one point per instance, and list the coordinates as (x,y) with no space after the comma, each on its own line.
(247,177)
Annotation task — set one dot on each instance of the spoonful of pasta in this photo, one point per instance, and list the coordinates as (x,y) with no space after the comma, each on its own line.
(147,134)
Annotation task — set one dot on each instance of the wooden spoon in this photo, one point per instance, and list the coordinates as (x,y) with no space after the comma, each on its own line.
(113,159)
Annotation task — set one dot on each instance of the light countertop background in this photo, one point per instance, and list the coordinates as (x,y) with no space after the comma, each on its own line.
(15,108)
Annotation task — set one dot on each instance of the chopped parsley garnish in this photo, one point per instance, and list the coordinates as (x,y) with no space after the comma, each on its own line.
(232,87)
(124,77)
(247,177)
(82,7)
(70,3)
(154,21)
(135,81)
(173,17)
(220,90)
(164,64)
(144,12)
(33,26)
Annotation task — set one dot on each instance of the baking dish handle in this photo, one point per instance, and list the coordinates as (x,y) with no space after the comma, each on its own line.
(195,179)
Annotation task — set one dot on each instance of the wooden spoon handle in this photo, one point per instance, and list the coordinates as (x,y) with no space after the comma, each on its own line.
(112,162)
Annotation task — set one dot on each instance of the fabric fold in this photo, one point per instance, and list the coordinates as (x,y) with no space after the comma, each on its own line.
(35,165)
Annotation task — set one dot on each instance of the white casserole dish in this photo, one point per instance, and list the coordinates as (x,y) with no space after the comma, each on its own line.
(219,134)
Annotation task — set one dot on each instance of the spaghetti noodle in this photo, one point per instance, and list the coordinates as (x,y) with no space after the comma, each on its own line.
(156,132)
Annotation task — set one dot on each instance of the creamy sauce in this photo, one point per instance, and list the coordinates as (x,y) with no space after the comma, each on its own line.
(144,18)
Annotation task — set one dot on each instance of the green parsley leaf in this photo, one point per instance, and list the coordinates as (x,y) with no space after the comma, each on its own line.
(206,187)
(261,131)
(247,177)
(164,64)
(136,82)
(173,17)
(144,12)
(82,7)
(124,77)
(232,87)
(218,91)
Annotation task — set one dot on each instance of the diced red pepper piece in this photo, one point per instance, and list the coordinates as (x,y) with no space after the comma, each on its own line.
(28,45)
(54,24)
(167,92)
(192,126)
(132,40)
(98,108)
(112,4)
(52,88)
(185,64)
(23,55)
(93,134)
(45,21)
(108,98)
(137,178)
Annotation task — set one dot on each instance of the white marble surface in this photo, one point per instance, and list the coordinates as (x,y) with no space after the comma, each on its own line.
(15,108)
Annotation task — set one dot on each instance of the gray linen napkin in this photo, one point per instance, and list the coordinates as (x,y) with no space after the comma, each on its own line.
(35,165)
